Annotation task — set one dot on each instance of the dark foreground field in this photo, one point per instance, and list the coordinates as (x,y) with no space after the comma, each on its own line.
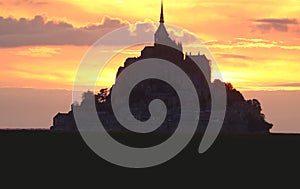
(63,156)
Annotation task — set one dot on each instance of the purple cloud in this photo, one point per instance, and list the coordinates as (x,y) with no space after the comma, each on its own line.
(29,2)
(38,31)
(281,24)
(288,85)
(234,56)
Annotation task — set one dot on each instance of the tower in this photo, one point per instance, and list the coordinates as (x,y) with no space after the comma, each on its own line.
(162,20)
(161,36)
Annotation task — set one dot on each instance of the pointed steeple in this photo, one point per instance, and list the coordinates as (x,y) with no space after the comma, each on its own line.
(161,36)
(162,12)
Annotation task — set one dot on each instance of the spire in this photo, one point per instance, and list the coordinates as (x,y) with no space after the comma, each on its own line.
(162,12)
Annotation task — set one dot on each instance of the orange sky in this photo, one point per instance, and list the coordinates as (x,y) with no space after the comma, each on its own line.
(255,43)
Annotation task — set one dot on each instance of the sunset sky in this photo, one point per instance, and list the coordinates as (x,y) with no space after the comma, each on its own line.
(256,43)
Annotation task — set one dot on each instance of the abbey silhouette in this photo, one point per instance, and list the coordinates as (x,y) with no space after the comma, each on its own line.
(241,116)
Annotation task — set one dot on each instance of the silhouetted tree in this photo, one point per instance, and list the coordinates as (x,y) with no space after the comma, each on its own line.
(233,95)
(256,118)
(255,106)
(101,97)
(229,86)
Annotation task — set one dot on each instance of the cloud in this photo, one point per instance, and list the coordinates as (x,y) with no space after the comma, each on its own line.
(288,85)
(30,2)
(41,32)
(107,22)
(278,21)
(144,32)
(267,24)
(250,43)
(241,43)
(39,52)
(41,3)
(233,56)
(184,36)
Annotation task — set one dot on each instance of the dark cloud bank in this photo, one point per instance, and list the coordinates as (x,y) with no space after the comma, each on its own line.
(278,24)
(38,31)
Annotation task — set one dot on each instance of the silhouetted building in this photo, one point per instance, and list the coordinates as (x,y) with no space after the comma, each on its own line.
(241,116)
(64,121)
